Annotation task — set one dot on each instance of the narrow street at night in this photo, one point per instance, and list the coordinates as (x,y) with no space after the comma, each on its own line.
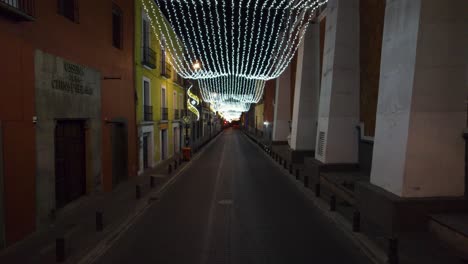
(233,132)
(233,205)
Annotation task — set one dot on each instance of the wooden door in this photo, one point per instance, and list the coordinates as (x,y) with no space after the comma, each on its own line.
(163,144)
(145,151)
(70,166)
(176,140)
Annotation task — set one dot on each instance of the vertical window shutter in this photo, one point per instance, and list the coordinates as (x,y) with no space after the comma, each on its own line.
(147,93)
(145,33)
(148,32)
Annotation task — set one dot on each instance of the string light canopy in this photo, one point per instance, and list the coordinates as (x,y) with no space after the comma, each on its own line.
(231,110)
(231,115)
(231,89)
(231,107)
(251,39)
(231,95)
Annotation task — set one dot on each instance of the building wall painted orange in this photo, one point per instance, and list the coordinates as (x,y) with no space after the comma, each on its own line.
(89,43)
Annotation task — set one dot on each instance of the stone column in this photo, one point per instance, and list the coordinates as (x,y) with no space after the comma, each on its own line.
(282,107)
(339,96)
(421,114)
(305,109)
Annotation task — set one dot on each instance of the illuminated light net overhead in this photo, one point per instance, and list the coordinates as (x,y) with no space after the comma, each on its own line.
(252,39)
(231,89)
(231,107)
(231,115)
(231,95)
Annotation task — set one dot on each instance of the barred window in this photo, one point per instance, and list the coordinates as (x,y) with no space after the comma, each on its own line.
(69,9)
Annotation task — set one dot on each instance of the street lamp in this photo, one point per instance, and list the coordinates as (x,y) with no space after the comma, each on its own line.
(196,65)
(187,120)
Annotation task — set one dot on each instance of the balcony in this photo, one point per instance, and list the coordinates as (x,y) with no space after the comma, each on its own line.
(149,57)
(164,113)
(20,10)
(176,114)
(147,113)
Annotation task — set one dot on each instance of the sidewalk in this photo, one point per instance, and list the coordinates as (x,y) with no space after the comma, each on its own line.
(76,223)
(413,248)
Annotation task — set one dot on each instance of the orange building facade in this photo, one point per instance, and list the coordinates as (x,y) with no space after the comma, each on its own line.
(66,100)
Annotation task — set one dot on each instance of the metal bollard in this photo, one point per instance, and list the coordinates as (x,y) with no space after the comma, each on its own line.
(175,165)
(151,182)
(60,249)
(356,221)
(290,168)
(392,250)
(285,165)
(306,181)
(138,192)
(317,190)
(333,203)
(297,174)
(169,169)
(99,221)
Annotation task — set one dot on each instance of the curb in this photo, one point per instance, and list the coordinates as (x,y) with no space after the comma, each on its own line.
(369,248)
(113,236)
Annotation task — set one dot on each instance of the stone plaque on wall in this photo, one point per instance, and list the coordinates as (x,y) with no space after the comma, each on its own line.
(66,87)
(65,90)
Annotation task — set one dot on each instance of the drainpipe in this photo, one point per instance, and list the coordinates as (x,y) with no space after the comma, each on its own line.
(2,207)
(136,165)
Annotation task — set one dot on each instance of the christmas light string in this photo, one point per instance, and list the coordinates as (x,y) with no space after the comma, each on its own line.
(272,33)
(223,89)
(233,65)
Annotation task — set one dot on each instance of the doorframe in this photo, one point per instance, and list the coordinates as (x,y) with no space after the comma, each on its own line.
(166,152)
(174,139)
(145,79)
(146,129)
(2,193)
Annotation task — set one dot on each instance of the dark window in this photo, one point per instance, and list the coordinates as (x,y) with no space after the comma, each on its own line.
(117,27)
(147,108)
(69,9)
(149,55)
(21,10)
(146,35)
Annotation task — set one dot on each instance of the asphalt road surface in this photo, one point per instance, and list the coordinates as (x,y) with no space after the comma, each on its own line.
(233,205)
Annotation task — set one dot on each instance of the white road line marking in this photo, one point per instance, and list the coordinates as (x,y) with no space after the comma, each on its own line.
(208,235)
(104,245)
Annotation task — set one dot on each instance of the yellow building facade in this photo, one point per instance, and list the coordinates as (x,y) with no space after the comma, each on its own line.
(159,93)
